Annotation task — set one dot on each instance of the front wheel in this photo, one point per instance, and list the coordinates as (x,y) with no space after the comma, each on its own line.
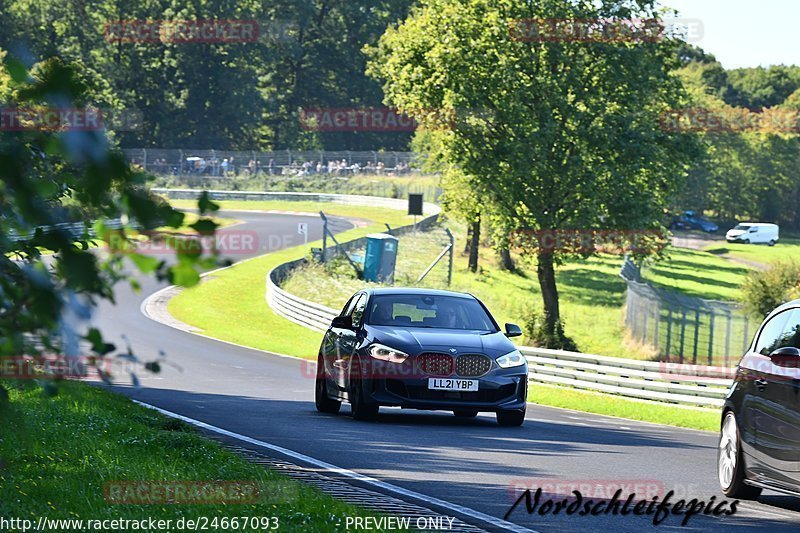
(361,405)
(324,402)
(511,418)
(730,466)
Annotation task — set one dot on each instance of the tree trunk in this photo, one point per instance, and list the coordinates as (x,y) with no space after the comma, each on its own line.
(506,261)
(474,244)
(547,283)
(469,238)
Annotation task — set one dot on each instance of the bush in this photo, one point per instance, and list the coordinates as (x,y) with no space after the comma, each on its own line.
(764,290)
(538,335)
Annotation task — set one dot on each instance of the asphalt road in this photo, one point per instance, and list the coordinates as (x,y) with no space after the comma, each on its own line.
(473,463)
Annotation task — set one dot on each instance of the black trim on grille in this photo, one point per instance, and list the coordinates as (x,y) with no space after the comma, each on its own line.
(473,365)
(435,364)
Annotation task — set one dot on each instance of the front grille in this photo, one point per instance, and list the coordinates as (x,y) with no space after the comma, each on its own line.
(435,364)
(411,392)
(472,365)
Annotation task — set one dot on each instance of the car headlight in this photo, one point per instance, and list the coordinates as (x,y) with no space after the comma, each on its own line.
(511,359)
(385,353)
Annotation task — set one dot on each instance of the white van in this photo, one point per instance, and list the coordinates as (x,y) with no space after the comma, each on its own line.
(753,232)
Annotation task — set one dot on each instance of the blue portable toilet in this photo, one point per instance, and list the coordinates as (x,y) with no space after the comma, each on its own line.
(380,258)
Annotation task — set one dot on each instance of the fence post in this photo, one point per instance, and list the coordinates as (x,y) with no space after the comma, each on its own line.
(746,333)
(727,338)
(711,338)
(669,330)
(683,332)
(656,340)
(696,335)
(644,326)
(452,247)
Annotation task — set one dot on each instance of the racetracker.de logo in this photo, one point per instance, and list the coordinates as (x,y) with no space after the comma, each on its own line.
(152,492)
(730,120)
(604,30)
(225,242)
(588,240)
(354,119)
(182,31)
(57,119)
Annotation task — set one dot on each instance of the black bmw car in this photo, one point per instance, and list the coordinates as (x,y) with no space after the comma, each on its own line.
(421,349)
(759,446)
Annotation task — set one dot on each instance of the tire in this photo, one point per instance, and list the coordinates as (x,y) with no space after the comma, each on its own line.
(730,465)
(511,418)
(745,241)
(361,406)
(771,243)
(465,414)
(324,402)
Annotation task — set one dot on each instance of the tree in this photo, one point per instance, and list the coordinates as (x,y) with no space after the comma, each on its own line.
(558,135)
(51,176)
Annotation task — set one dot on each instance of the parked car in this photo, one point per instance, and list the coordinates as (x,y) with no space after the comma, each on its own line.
(691,220)
(759,445)
(754,233)
(421,349)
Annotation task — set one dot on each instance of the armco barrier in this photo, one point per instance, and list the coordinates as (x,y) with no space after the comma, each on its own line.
(647,380)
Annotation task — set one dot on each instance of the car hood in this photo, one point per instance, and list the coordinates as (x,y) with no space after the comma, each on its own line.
(417,340)
(735,232)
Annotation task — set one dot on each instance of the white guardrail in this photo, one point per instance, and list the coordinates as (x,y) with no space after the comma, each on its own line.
(647,380)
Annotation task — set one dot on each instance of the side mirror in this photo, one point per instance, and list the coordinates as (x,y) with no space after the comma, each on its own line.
(785,352)
(513,330)
(342,322)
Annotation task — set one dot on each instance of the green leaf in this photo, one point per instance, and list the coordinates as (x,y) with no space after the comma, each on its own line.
(184,274)
(145,263)
(205,226)
(205,205)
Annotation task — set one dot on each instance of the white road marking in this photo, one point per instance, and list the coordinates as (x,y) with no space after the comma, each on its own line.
(387,487)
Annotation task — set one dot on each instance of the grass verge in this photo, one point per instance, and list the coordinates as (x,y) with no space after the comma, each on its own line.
(607,404)
(63,451)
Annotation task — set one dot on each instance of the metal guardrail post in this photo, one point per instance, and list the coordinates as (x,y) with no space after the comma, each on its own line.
(452,248)
(324,236)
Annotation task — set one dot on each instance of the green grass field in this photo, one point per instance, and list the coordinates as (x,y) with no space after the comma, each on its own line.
(63,451)
(785,248)
(698,273)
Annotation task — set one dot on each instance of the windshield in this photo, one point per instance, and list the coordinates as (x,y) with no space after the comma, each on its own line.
(426,311)
(743,227)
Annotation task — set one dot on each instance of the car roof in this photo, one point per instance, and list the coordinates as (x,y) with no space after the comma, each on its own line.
(416,291)
(788,305)
(759,224)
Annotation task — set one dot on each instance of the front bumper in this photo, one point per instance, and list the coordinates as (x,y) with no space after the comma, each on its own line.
(499,390)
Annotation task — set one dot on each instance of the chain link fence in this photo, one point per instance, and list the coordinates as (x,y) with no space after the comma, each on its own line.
(226,163)
(684,328)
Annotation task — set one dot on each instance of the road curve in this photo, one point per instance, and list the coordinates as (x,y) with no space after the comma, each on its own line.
(473,463)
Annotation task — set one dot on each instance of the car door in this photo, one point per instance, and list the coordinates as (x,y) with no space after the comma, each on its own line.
(331,348)
(347,341)
(776,396)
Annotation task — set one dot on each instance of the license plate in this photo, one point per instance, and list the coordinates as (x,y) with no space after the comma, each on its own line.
(452,384)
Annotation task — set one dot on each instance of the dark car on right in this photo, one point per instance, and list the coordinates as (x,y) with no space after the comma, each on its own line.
(759,446)
(690,220)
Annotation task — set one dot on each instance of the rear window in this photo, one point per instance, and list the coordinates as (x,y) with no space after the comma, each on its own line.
(426,311)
